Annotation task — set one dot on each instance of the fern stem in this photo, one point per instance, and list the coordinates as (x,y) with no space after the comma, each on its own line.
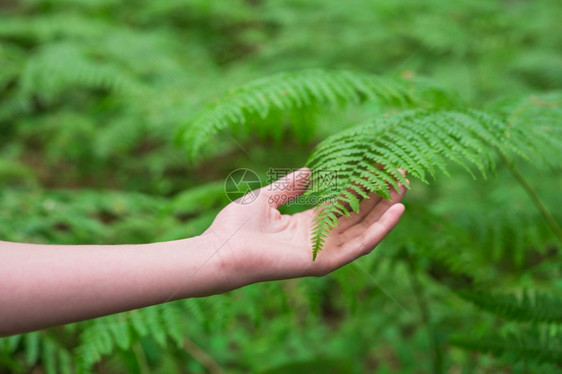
(426,319)
(202,357)
(555,227)
(138,351)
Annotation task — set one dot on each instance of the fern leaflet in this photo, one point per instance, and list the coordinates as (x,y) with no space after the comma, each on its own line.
(535,307)
(524,347)
(420,141)
(279,95)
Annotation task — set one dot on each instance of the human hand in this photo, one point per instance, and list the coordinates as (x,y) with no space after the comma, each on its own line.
(48,285)
(255,242)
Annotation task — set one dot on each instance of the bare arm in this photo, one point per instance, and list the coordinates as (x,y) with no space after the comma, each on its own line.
(48,285)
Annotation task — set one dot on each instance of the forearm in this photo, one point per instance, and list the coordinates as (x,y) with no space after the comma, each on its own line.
(47,285)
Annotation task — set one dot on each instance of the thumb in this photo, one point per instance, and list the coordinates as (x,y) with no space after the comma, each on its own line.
(286,188)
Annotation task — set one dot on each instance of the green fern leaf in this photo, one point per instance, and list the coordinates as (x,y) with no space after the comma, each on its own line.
(32,347)
(420,142)
(172,316)
(519,347)
(120,332)
(536,307)
(539,116)
(155,324)
(49,357)
(281,94)
(65,362)
(45,76)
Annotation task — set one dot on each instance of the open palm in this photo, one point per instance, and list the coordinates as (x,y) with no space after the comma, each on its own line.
(255,242)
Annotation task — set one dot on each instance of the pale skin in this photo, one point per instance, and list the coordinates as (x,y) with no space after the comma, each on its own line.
(48,285)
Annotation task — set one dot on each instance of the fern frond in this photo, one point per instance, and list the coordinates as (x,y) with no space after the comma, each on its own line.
(518,347)
(12,59)
(279,95)
(39,347)
(46,77)
(47,27)
(103,336)
(536,307)
(540,117)
(421,142)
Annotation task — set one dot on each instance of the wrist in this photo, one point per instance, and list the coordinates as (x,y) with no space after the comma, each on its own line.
(230,267)
(184,268)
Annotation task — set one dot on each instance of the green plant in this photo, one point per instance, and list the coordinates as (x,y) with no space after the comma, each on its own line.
(368,158)
(92,94)
(269,105)
(419,141)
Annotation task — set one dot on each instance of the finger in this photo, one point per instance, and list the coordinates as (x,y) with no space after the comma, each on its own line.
(357,194)
(372,208)
(370,237)
(364,208)
(376,213)
(286,188)
(378,210)
(344,222)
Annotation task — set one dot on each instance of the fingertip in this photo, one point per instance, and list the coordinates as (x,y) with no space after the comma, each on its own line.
(299,175)
(399,208)
(376,232)
(392,215)
(305,169)
(303,175)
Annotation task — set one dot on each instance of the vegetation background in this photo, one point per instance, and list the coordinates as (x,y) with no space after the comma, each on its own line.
(94,93)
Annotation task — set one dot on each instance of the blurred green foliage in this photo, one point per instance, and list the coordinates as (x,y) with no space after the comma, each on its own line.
(94,93)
